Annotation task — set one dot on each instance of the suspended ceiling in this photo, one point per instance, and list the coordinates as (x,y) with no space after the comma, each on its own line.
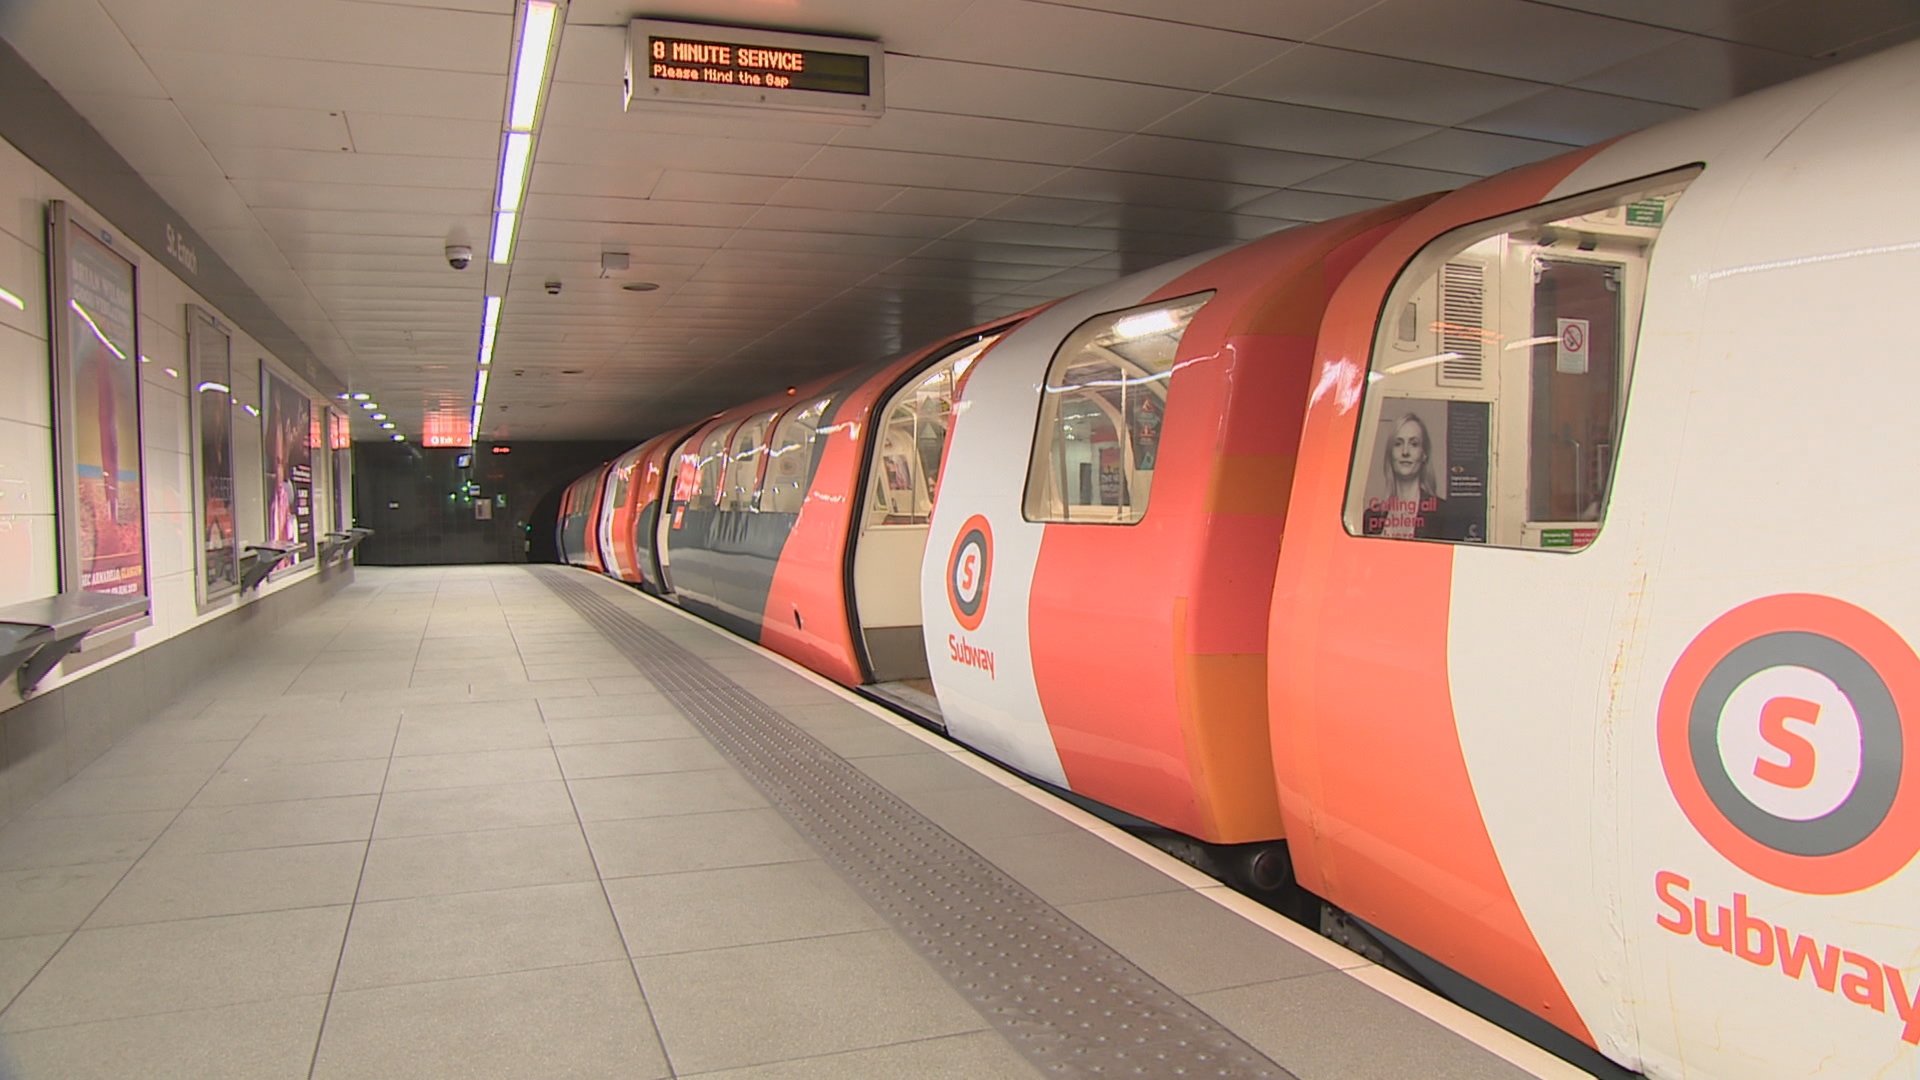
(330,149)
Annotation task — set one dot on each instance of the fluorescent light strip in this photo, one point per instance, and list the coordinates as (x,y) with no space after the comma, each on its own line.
(503,225)
(489,330)
(514,159)
(530,67)
(480,388)
(8,297)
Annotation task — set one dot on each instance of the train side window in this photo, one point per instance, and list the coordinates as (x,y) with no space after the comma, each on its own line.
(912,444)
(790,459)
(744,460)
(1500,372)
(1105,396)
(712,463)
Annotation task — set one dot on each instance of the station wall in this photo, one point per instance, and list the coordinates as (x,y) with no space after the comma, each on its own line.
(100,693)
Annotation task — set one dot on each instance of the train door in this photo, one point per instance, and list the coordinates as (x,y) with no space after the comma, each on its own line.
(909,445)
(681,482)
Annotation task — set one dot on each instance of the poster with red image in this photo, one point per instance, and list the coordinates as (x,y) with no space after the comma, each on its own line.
(286,443)
(102,526)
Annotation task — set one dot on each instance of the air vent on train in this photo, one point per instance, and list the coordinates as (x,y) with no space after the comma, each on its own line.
(1462,319)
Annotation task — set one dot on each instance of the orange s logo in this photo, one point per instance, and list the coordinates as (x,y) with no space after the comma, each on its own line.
(1801,756)
(970,571)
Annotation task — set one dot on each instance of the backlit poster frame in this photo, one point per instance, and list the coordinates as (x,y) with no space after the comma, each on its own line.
(340,445)
(94,323)
(210,409)
(286,460)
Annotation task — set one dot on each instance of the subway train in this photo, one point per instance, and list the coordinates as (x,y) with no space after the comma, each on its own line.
(1523,570)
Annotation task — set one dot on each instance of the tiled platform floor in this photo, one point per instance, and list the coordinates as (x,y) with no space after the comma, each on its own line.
(440,828)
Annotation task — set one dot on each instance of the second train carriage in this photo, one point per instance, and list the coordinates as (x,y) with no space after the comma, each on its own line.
(1511,557)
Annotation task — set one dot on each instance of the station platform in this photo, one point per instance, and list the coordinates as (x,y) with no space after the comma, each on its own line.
(512,822)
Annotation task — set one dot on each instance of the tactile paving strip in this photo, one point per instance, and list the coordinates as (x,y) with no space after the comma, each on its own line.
(1061,996)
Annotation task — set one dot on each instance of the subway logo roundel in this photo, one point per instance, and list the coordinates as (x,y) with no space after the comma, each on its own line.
(969,571)
(1789,732)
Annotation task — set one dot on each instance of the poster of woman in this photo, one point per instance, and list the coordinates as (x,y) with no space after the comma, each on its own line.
(103,525)
(286,446)
(1429,475)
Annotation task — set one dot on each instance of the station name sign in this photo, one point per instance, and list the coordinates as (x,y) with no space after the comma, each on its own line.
(682,63)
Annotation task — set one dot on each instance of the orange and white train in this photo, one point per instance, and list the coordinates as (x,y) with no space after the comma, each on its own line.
(1535,562)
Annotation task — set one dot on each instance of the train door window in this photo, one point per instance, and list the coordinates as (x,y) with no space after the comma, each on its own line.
(1500,372)
(744,460)
(1098,440)
(790,459)
(712,464)
(912,442)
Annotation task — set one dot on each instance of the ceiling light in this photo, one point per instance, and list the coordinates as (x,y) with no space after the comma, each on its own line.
(369,406)
(378,416)
(388,426)
(503,226)
(530,65)
(1145,323)
(641,286)
(361,397)
(513,169)
(343,397)
(9,298)
(397,437)
(480,387)
(489,330)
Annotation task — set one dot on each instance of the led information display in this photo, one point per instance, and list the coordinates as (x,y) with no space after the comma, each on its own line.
(677,64)
(681,60)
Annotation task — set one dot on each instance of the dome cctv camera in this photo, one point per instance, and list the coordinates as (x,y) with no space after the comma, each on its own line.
(459,256)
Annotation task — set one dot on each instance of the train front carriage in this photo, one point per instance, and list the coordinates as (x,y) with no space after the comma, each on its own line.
(1591,670)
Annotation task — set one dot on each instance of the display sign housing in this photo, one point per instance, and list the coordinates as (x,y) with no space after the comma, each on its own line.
(672,63)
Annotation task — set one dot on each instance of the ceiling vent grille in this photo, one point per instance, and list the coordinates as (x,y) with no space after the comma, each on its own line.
(1463,291)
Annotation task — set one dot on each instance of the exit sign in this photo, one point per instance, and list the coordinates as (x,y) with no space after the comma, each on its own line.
(671,63)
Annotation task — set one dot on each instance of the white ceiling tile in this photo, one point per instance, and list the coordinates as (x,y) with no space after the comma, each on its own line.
(1698,72)
(1505,37)
(335,31)
(1373,180)
(1695,16)
(334,167)
(1824,28)
(1474,152)
(1106,45)
(979,136)
(1378,86)
(838,195)
(1215,161)
(1279,126)
(306,84)
(1298,20)
(1147,190)
(1306,205)
(1043,97)
(924,170)
(1576,117)
(422,136)
(470,203)
(76,47)
(688,186)
(599,210)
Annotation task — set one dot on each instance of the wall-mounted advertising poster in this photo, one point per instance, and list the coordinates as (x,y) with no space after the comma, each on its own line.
(96,387)
(286,446)
(340,442)
(1429,481)
(210,369)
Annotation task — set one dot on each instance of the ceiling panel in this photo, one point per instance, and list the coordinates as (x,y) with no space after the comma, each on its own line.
(1101,44)
(1279,126)
(328,149)
(1379,86)
(1574,116)
(1515,38)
